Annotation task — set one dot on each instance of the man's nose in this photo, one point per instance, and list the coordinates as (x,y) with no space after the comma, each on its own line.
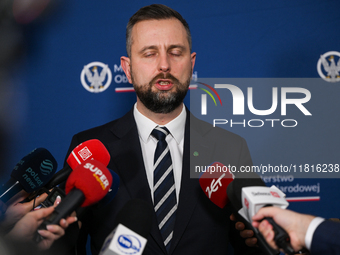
(164,63)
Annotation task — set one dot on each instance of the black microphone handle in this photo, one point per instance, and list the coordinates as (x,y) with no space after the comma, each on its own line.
(71,202)
(281,237)
(11,191)
(60,177)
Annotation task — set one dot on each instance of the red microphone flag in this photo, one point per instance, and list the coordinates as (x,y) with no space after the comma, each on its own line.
(214,182)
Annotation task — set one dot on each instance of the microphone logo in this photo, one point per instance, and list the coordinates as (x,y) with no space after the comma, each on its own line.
(214,185)
(46,167)
(246,203)
(98,175)
(275,194)
(85,153)
(129,244)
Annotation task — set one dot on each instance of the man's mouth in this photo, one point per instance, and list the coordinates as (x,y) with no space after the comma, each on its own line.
(164,84)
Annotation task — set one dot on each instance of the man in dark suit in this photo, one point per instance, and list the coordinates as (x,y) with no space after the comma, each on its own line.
(160,65)
(318,235)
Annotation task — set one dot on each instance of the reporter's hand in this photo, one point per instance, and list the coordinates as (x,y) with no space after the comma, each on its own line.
(16,210)
(295,224)
(25,229)
(54,232)
(247,234)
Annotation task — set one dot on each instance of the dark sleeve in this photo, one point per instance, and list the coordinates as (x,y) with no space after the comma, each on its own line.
(326,239)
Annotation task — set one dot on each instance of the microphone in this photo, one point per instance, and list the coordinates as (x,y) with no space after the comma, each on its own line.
(113,189)
(87,184)
(214,183)
(30,174)
(90,149)
(133,225)
(247,196)
(108,197)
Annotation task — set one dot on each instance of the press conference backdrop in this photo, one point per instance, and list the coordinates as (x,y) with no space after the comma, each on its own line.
(46,97)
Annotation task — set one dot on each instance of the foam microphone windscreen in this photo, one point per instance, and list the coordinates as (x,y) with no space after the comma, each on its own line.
(136,215)
(214,183)
(90,149)
(35,169)
(92,178)
(108,197)
(113,190)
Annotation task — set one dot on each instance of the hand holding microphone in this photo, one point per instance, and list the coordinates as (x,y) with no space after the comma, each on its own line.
(87,184)
(17,210)
(247,196)
(25,228)
(295,224)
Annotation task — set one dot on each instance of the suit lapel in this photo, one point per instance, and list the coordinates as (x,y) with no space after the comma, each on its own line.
(126,154)
(194,143)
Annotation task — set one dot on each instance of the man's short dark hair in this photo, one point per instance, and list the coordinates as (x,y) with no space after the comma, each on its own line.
(157,12)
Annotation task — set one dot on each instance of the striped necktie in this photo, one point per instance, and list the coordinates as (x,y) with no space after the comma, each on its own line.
(165,203)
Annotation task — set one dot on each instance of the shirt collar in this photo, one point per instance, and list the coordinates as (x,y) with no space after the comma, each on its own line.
(145,125)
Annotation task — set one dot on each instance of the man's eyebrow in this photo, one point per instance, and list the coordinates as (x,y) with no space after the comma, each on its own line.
(151,47)
(154,47)
(177,46)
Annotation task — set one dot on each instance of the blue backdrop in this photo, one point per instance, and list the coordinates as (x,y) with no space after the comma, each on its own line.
(47,103)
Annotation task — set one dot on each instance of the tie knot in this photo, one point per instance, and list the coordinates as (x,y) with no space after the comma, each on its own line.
(160,133)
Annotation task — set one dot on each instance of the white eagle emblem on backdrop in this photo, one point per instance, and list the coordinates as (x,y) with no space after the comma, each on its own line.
(94,80)
(331,66)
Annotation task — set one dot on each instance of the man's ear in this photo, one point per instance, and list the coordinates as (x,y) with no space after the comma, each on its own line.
(125,63)
(193,59)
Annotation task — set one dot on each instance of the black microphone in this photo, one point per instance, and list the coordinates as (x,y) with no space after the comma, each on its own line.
(30,174)
(132,226)
(234,192)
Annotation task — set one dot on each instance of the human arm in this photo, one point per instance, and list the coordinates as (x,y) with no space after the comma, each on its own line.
(17,210)
(295,224)
(26,227)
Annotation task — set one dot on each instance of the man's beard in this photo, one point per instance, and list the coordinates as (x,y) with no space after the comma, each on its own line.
(162,101)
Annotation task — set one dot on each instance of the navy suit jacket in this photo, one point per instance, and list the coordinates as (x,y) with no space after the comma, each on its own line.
(201,227)
(326,239)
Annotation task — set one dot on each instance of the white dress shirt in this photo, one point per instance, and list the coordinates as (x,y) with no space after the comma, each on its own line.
(175,141)
(310,231)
